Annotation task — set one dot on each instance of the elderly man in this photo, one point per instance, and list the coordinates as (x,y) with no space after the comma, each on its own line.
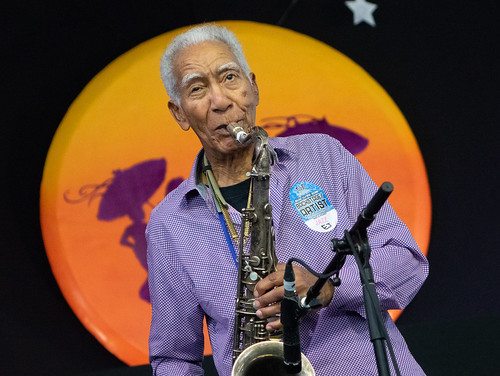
(192,260)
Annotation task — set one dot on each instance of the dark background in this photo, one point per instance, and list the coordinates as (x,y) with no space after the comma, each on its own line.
(437,60)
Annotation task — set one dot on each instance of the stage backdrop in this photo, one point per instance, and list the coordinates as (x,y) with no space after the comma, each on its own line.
(118,151)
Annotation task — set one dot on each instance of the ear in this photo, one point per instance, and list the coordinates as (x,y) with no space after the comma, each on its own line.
(178,115)
(255,88)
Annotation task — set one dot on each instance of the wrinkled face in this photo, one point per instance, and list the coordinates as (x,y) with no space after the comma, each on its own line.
(214,91)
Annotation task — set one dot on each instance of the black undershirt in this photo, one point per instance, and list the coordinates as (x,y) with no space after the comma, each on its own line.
(237,195)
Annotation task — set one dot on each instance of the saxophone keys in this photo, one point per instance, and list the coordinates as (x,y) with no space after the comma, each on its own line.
(253,276)
(254,260)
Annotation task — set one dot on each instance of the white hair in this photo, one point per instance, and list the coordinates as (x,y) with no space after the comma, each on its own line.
(207,32)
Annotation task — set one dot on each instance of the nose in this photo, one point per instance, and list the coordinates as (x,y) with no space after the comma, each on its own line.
(220,100)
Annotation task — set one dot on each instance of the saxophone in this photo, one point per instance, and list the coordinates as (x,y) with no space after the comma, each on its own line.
(253,350)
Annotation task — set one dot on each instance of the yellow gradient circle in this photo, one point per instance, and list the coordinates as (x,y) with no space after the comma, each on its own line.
(120,124)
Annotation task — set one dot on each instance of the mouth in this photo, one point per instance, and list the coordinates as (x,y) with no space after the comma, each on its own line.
(224,126)
(239,133)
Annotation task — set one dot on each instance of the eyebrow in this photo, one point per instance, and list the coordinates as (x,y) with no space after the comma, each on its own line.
(228,66)
(194,76)
(189,77)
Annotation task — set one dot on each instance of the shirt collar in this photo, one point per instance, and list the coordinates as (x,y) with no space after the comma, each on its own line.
(195,185)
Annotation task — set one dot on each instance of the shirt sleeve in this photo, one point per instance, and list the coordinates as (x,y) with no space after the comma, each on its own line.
(176,339)
(398,265)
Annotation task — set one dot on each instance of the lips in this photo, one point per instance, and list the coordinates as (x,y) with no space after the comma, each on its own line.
(223,126)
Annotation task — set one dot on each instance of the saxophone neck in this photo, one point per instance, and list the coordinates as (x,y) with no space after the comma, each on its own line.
(264,155)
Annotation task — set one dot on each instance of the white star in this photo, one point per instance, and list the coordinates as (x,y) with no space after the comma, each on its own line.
(362,11)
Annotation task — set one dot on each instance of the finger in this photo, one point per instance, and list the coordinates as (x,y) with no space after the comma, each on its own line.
(272,310)
(274,325)
(265,284)
(270,297)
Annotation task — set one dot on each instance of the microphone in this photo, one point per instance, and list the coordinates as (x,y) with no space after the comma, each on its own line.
(290,320)
(238,133)
(378,200)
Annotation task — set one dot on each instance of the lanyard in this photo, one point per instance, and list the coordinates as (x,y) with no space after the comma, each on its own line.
(228,238)
(223,214)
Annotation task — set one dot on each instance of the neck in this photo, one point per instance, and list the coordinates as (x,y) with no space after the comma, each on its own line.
(231,169)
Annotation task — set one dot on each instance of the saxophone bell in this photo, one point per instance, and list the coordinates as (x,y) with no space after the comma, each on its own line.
(266,358)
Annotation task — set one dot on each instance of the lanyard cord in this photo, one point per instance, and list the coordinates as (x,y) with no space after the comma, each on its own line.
(227,224)
(228,239)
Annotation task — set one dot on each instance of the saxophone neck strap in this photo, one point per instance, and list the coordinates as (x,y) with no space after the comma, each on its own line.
(227,224)
(212,183)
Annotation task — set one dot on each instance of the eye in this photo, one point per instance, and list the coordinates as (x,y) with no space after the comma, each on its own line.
(195,89)
(230,77)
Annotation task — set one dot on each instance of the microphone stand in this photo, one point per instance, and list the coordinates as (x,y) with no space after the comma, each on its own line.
(355,242)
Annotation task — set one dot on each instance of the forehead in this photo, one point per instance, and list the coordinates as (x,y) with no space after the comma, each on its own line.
(202,58)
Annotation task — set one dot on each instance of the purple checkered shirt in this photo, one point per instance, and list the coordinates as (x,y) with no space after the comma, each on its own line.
(192,274)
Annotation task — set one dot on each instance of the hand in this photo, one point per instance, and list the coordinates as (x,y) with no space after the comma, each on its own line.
(269,292)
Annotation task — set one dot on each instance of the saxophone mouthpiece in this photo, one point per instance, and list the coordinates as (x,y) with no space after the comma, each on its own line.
(238,133)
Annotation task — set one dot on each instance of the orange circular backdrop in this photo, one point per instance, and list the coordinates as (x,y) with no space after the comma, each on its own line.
(118,149)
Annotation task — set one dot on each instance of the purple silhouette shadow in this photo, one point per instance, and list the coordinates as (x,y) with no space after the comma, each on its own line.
(302,124)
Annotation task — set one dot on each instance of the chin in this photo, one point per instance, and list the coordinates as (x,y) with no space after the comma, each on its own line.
(233,146)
